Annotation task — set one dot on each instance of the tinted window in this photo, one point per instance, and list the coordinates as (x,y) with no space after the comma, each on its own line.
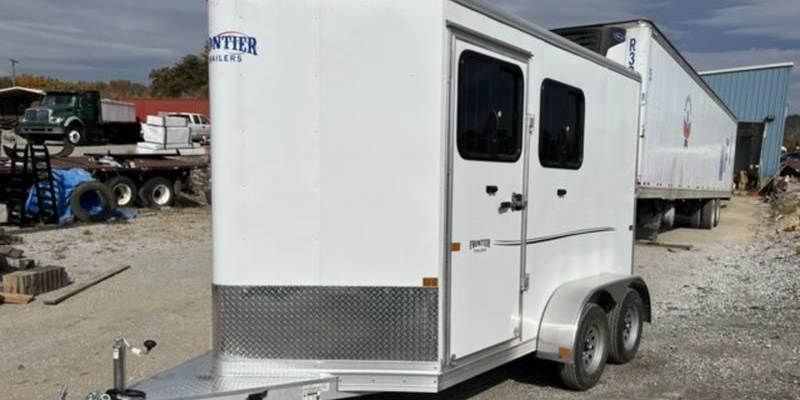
(195,119)
(561,127)
(204,120)
(489,115)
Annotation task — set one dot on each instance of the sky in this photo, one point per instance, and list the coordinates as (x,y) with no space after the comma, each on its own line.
(125,39)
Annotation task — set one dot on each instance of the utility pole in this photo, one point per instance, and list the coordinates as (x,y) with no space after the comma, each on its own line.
(13,71)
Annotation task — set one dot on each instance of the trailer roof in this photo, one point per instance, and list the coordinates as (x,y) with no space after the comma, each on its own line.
(748,68)
(532,29)
(676,55)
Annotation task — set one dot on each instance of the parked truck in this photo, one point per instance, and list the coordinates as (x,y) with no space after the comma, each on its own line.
(80,117)
(687,135)
(422,207)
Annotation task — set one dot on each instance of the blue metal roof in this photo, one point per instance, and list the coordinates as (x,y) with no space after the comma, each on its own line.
(753,94)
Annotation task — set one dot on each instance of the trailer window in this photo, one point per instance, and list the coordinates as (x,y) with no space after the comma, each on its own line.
(489,115)
(561,128)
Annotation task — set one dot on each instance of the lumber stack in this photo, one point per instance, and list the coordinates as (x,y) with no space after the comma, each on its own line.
(35,281)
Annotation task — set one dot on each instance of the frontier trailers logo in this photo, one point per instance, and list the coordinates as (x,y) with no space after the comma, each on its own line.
(231,46)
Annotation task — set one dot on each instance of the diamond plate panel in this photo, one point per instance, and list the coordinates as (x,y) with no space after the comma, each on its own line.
(326,323)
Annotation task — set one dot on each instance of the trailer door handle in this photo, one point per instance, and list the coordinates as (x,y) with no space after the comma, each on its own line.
(561,192)
(517,203)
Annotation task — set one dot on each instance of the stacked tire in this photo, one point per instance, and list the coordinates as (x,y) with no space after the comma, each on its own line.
(86,198)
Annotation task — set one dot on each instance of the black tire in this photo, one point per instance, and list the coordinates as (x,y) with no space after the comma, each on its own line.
(694,215)
(625,323)
(78,200)
(75,134)
(706,214)
(157,192)
(208,196)
(124,190)
(590,351)
(717,211)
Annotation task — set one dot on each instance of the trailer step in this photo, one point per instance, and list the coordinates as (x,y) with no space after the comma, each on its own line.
(195,380)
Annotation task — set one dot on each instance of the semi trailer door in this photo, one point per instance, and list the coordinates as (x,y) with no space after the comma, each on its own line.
(488,156)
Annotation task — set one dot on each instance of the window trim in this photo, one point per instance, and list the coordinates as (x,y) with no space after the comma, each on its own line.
(517,72)
(581,122)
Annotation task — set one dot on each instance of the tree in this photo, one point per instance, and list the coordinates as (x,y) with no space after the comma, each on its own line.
(791,134)
(187,78)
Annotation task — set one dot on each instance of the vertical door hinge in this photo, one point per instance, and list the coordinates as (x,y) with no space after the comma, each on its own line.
(531,123)
(526,282)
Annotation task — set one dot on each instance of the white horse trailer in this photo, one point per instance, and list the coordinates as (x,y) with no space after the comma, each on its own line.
(687,136)
(440,188)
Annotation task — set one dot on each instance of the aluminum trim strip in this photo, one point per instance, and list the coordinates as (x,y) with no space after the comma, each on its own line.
(677,194)
(555,237)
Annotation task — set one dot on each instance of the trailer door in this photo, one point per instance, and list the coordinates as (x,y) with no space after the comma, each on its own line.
(488,156)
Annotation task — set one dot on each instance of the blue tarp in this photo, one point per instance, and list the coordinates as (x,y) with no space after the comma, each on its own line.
(65,181)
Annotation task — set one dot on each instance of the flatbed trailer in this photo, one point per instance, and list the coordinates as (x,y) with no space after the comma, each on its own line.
(146,180)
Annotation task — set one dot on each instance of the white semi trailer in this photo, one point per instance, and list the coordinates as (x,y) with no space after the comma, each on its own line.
(422,206)
(687,135)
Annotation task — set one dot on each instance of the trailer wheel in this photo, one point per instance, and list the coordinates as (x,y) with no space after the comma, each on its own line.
(124,190)
(75,134)
(590,351)
(691,214)
(87,197)
(625,322)
(706,214)
(157,192)
(717,211)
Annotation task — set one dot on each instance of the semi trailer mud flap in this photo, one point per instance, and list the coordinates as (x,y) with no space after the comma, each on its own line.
(195,380)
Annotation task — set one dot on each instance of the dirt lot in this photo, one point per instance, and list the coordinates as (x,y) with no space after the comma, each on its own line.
(727,314)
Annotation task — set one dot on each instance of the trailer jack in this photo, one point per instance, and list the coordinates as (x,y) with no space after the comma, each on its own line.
(120,390)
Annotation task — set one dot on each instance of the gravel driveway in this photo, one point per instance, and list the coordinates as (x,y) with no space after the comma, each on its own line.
(726,314)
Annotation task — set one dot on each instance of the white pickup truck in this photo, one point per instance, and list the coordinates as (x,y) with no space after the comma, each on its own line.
(199,125)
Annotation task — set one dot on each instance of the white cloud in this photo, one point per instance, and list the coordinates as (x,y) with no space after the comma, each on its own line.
(777,19)
(741,58)
(107,39)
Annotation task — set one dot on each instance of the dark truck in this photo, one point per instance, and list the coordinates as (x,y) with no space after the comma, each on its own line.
(80,117)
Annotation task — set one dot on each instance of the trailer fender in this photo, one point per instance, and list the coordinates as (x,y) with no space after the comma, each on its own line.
(562,313)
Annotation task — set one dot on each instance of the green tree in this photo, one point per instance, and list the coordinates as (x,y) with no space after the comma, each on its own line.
(187,78)
(791,134)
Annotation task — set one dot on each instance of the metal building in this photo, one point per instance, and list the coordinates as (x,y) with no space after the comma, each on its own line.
(757,95)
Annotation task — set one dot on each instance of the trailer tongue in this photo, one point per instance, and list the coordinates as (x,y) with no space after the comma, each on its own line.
(196,379)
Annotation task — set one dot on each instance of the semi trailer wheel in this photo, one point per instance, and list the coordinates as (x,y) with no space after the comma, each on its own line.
(124,190)
(92,202)
(717,211)
(590,351)
(688,214)
(157,192)
(706,214)
(625,323)
(75,134)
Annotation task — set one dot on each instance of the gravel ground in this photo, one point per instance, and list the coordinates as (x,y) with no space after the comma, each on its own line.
(727,314)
